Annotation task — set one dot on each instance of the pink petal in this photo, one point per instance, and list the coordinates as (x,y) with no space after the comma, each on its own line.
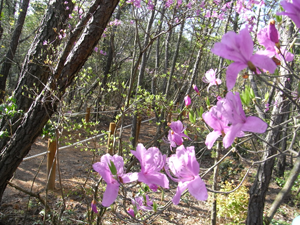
(180,188)
(129,177)
(239,106)
(197,189)
(154,178)
(139,153)
(221,49)
(177,139)
(232,73)
(211,120)
(211,138)
(233,132)
(177,126)
(255,124)
(192,164)
(101,169)
(246,43)
(263,62)
(268,52)
(218,81)
(110,194)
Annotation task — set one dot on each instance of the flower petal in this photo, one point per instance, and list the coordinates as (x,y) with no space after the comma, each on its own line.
(198,189)
(245,43)
(139,153)
(103,171)
(233,132)
(192,164)
(110,194)
(129,177)
(211,138)
(232,73)
(255,124)
(154,178)
(263,62)
(180,188)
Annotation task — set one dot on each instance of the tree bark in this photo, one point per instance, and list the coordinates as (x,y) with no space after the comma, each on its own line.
(260,187)
(45,104)
(285,190)
(141,76)
(12,48)
(174,60)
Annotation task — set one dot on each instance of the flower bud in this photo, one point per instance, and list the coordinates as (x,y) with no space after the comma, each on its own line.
(272,32)
(187,100)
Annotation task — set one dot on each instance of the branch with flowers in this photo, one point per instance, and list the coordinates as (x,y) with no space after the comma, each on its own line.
(227,121)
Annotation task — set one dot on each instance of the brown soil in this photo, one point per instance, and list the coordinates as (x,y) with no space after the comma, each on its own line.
(78,181)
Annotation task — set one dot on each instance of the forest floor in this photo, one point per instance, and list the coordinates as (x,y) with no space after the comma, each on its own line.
(78,180)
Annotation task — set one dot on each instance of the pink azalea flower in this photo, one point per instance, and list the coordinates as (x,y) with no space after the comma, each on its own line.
(268,38)
(139,203)
(150,5)
(273,32)
(96,49)
(216,121)
(112,180)
(168,3)
(94,206)
(136,3)
(232,110)
(187,100)
(176,135)
(183,168)
(196,89)
(179,2)
(152,161)
(292,10)
(239,48)
(210,77)
(131,212)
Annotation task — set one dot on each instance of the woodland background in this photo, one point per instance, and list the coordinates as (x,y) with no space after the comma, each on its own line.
(137,60)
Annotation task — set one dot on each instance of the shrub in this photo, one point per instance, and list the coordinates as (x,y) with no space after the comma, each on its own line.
(233,206)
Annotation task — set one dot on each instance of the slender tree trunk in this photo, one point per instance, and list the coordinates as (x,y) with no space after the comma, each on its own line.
(45,105)
(35,72)
(260,187)
(141,75)
(12,48)
(285,190)
(174,60)
(214,187)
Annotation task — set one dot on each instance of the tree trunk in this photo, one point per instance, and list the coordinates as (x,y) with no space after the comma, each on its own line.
(35,72)
(260,187)
(174,59)
(12,48)
(141,76)
(45,105)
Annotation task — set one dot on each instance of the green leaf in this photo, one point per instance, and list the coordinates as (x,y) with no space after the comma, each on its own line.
(200,112)
(112,168)
(192,117)
(267,95)
(251,92)
(207,101)
(154,206)
(278,18)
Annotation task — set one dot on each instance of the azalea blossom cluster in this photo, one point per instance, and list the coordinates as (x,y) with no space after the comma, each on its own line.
(181,167)
(228,119)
